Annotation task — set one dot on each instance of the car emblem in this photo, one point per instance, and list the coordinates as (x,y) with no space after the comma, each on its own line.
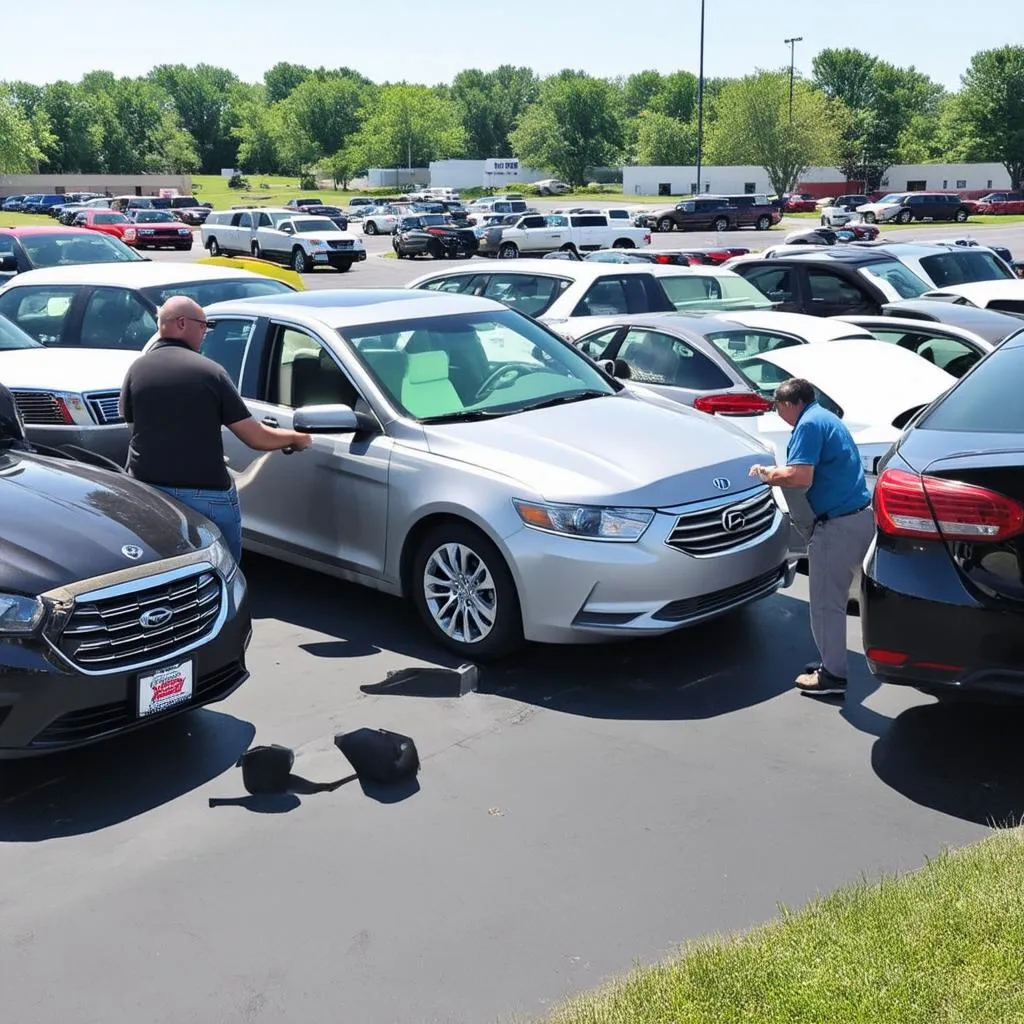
(733,520)
(155,617)
(132,551)
(722,483)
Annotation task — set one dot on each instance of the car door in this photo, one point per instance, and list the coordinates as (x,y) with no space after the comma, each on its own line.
(669,366)
(329,502)
(831,294)
(272,242)
(778,282)
(557,230)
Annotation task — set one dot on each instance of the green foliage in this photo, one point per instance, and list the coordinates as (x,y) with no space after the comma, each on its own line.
(490,103)
(993,104)
(22,136)
(664,141)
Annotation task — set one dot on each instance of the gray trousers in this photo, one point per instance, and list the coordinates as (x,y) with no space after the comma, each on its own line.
(836,549)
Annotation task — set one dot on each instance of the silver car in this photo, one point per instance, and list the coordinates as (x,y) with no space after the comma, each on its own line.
(471,460)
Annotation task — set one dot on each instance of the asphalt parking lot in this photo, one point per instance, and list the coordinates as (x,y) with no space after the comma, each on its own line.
(586,808)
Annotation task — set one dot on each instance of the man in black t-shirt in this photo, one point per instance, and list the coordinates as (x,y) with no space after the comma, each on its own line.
(176,402)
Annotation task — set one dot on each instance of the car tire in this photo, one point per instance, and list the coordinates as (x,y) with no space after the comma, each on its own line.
(257,252)
(569,247)
(213,247)
(869,218)
(369,228)
(961,216)
(298,260)
(720,224)
(824,223)
(666,224)
(623,243)
(463,549)
(508,251)
(343,268)
(904,217)
(764,222)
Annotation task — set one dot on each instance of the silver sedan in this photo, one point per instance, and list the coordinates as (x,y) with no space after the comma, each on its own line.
(468,458)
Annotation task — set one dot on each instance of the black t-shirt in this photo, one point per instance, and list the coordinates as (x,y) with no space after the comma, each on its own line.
(177,401)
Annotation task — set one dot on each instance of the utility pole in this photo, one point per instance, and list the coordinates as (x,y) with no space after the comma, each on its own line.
(791,43)
(700,100)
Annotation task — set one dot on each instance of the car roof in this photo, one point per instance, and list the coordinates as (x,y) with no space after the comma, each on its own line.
(871,380)
(350,307)
(982,291)
(578,270)
(44,229)
(986,322)
(141,274)
(899,323)
(853,255)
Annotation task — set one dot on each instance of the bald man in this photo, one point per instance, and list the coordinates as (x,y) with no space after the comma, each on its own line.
(176,402)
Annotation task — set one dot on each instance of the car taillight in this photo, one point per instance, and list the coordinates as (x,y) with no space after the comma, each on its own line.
(739,404)
(435,231)
(908,505)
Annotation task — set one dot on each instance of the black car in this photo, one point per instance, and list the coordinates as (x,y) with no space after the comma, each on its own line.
(118,607)
(840,280)
(942,596)
(993,325)
(337,217)
(432,234)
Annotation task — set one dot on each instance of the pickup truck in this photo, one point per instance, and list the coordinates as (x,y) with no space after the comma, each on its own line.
(282,235)
(534,234)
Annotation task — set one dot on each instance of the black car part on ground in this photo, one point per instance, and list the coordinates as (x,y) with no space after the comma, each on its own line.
(942,599)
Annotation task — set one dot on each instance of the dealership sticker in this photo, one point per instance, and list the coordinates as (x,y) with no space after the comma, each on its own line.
(165,688)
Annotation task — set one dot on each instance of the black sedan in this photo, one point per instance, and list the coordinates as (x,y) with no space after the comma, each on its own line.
(432,234)
(942,596)
(118,607)
(337,217)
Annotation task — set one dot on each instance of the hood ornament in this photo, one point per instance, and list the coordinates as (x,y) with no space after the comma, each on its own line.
(722,483)
(132,551)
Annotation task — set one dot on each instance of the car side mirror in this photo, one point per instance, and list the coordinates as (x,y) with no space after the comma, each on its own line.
(331,419)
(616,368)
(9,263)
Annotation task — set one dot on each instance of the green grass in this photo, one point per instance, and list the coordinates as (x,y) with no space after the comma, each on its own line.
(940,946)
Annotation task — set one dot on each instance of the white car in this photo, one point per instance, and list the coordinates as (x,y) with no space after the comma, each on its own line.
(885,211)
(945,263)
(1003,296)
(842,210)
(567,295)
(552,187)
(381,220)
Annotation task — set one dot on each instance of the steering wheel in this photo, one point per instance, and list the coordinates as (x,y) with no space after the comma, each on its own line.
(497,380)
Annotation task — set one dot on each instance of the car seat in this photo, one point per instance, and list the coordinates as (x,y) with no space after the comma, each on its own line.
(426,389)
(389,366)
(468,366)
(318,380)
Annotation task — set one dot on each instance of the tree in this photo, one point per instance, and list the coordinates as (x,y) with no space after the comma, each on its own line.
(407,125)
(257,128)
(677,96)
(324,110)
(752,125)
(846,75)
(20,149)
(490,102)
(283,79)
(576,123)
(662,141)
(77,131)
(638,91)
(993,100)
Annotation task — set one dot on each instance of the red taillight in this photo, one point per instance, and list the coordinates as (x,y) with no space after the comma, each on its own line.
(930,507)
(733,405)
(436,231)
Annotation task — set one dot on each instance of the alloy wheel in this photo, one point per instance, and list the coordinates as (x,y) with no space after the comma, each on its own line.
(460,593)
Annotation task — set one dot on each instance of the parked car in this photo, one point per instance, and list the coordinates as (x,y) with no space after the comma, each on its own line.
(381,220)
(842,211)
(432,234)
(904,207)
(558,506)
(946,263)
(997,203)
(159,229)
(534,234)
(32,248)
(334,214)
(942,593)
(990,324)
(107,222)
(552,187)
(666,257)
(12,204)
(118,606)
(1003,296)
(711,213)
(567,295)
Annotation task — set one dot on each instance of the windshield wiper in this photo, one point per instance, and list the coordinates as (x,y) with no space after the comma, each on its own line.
(466,415)
(575,396)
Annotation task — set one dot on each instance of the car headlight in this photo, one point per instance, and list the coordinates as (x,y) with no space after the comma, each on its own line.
(222,559)
(587,522)
(20,616)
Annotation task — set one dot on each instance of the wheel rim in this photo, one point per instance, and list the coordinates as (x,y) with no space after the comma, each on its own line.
(665,225)
(299,262)
(721,224)
(508,252)
(460,593)
(371,228)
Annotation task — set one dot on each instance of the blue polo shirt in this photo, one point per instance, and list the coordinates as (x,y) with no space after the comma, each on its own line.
(821,439)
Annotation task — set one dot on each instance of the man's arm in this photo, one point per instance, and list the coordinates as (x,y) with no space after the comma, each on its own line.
(786,476)
(804,453)
(268,439)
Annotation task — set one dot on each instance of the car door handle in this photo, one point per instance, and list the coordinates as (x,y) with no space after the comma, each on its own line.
(269,421)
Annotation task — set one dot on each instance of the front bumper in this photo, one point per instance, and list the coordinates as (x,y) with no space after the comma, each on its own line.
(338,258)
(46,705)
(110,440)
(577,591)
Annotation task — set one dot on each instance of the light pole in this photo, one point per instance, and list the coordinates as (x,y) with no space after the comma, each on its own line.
(700,100)
(791,43)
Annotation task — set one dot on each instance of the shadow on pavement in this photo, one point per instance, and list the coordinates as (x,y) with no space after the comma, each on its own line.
(93,788)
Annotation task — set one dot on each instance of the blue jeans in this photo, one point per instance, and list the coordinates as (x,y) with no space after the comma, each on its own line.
(220,507)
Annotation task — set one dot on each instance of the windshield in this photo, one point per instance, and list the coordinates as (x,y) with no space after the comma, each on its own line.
(57,250)
(473,365)
(893,197)
(702,291)
(900,282)
(313,225)
(949,268)
(155,217)
(208,292)
(12,337)
(110,218)
(433,220)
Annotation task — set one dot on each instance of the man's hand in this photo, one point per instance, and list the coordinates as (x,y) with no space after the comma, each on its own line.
(301,442)
(761,472)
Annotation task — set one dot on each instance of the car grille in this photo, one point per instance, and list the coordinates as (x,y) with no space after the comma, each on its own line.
(343,244)
(39,407)
(91,723)
(104,406)
(723,527)
(721,600)
(107,634)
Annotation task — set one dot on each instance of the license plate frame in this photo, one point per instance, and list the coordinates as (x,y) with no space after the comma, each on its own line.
(163,688)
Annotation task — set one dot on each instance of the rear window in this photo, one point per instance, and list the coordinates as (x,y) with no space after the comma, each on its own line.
(985,401)
(702,291)
(56,250)
(950,268)
(208,292)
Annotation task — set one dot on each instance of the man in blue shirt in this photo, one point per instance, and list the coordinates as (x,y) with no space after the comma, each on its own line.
(823,458)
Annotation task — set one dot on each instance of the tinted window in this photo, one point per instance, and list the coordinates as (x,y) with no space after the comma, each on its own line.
(950,354)
(986,401)
(56,250)
(302,372)
(226,343)
(702,291)
(949,268)
(905,283)
(532,222)
(529,293)
(656,358)
(775,282)
(116,318)
(459,283)
(831,288)
(208,292)
(613,296)
(589,221)
(41,312)
(595,345)
(12,337)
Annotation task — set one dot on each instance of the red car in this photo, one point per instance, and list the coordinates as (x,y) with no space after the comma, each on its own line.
(159,229)
(109,222)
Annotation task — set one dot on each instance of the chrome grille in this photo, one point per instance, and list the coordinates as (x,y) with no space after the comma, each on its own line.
(711,531)
(104,406)
(39,407)
(108,634)
(341,244)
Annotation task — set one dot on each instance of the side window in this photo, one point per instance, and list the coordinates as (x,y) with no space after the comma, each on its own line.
(532,222)
(529,293)
(265,221)
(741,345)
(42,313)
(227,343)
(950,354)
(615,296)
(825,286)
(116,318)
(597,344)
(656,358)
(775,282)
(302,372)
(465,283)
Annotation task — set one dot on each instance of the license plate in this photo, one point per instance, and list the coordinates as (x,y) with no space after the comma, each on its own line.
(320,257)
(165,688)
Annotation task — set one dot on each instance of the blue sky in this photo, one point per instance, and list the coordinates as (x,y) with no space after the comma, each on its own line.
(429,42)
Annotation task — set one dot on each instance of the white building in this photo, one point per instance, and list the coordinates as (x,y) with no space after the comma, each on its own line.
(115,184)
(495,173)
(680,181)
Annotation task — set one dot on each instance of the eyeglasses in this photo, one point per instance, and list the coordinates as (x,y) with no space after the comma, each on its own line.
(204,323)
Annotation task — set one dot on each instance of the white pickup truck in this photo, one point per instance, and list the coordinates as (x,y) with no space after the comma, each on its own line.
(535,233)
(301,241)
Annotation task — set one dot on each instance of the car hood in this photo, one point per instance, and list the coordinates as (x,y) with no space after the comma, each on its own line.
(65,369)
(65,522)
(619,450)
